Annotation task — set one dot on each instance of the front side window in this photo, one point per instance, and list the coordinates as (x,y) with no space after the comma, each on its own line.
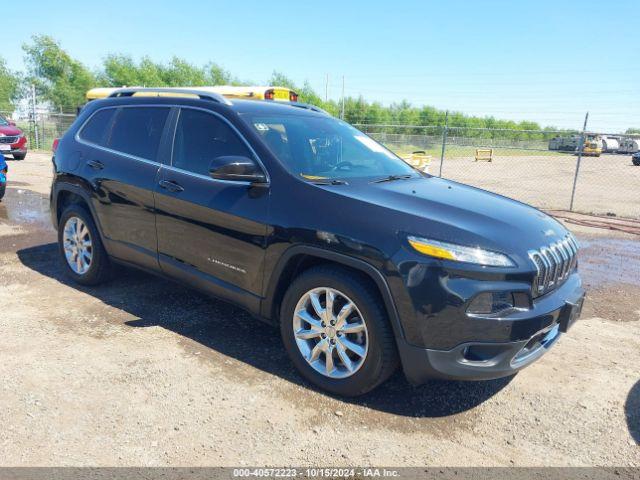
(137,131)
(3,121)
(201,137)
(316,147)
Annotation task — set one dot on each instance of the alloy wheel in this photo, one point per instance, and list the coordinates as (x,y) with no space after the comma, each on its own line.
(77,245)
(330,332)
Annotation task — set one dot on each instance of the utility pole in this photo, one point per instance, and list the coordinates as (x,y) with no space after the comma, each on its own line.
(326,89)
(580,149)
(342,112)
(32,114)
(444,140)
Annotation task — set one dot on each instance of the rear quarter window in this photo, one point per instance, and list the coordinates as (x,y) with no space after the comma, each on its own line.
(95,130)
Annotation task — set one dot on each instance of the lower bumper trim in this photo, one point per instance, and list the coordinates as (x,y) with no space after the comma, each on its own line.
(475,360)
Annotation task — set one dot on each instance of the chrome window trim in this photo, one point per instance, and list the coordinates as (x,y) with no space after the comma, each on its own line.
(256,157)
(206,177)
(79,139)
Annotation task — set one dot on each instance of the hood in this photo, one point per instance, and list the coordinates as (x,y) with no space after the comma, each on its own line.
(449,211)
(9,130)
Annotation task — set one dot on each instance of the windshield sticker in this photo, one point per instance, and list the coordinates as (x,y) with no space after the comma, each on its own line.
(261,127)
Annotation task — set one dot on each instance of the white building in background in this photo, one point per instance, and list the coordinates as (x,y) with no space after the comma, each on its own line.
(610,144)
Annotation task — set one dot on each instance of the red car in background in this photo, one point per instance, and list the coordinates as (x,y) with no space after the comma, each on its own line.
(12,140)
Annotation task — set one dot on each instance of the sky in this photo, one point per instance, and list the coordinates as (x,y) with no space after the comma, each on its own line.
(540,60)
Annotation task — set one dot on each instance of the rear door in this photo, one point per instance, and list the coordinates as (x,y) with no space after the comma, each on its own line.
(210,232)
(121,160)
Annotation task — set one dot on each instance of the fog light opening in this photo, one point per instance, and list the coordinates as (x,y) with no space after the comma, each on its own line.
(482,353)
(488,303)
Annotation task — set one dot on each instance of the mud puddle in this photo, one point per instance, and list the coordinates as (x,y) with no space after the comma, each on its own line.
(610,261)
(24,219)
(24,206)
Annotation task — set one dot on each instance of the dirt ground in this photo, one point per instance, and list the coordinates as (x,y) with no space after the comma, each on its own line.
(144,372)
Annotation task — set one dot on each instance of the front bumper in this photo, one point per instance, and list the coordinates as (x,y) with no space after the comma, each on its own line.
(13,151)
(19,147)
(487,355)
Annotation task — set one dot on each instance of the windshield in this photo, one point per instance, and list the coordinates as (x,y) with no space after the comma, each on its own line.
(325,148)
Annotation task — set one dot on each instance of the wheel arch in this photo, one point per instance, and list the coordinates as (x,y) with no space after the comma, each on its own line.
(299,258)
(65,194)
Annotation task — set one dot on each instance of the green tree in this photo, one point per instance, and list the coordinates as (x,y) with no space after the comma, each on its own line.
(632,131)
(120,71)
(281,80)
(9,86)
(180,73)
(59,78)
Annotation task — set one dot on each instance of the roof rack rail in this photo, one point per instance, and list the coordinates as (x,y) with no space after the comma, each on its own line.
(202,94)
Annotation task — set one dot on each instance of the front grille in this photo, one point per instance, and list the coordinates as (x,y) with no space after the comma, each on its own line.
(12,139)
(554,263)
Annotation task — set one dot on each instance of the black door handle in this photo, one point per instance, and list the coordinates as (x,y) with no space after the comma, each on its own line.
(171,186)
(96,165)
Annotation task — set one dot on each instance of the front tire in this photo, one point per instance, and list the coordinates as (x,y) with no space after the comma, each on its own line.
(81,248)
(336,331)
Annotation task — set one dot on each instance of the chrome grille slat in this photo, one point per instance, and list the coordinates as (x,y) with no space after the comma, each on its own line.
(9,139)
(567,258)
(559,264)
(554,263)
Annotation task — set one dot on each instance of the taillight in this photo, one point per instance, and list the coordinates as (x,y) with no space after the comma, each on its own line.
(293,97)
(54,147)
(269,95)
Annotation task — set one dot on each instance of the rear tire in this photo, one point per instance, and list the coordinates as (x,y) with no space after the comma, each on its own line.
(359,361)
(19,156)
(636,161)
(80,247)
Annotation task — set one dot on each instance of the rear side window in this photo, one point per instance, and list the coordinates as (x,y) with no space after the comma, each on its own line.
(201,137)
(137,131)
(95,131)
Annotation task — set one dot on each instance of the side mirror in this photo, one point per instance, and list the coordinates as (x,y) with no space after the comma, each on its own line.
(236,168)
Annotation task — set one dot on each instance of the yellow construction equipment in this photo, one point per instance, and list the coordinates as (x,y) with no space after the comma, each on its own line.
(484,154)
(419,160)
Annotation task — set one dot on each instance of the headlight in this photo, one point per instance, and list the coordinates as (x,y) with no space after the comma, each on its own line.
(460,253)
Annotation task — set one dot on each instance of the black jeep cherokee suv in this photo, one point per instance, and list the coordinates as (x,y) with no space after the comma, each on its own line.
(309,224)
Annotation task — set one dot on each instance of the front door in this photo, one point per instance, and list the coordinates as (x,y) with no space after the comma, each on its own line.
(210,232)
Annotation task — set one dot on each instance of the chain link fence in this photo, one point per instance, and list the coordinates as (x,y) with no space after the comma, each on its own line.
(41,128)
(551,170)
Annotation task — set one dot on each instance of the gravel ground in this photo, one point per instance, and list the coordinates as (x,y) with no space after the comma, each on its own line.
(606,184)
(144,372)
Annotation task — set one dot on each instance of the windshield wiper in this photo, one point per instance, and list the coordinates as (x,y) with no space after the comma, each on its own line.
(329,182)
(391,178)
